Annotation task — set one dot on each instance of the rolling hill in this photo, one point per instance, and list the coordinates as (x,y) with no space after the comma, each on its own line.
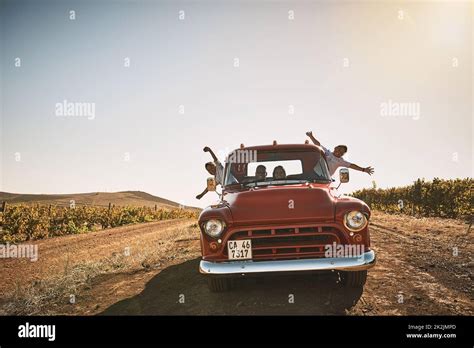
(124,198)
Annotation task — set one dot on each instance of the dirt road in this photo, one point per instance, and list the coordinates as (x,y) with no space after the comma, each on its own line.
(425,266)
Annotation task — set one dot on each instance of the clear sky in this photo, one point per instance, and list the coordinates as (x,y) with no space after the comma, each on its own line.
(223,73)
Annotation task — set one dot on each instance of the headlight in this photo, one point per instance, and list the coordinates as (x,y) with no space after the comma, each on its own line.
(214,228)
(355,221)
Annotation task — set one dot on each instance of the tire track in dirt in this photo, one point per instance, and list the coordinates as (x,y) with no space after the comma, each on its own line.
(416,272)
(56,255)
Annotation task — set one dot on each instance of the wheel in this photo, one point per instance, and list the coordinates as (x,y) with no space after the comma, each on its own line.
(220,284)
(354,279)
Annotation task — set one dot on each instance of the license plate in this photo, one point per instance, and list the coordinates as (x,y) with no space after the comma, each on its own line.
(239,249)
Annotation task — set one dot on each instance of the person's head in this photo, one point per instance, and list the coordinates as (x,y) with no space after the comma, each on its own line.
(340,150)
(211,168)
(279,173)
(261,172)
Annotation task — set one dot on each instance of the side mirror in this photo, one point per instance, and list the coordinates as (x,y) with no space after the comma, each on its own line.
(211,184)
(344,175)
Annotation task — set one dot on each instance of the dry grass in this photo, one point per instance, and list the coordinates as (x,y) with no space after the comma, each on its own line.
(47,295)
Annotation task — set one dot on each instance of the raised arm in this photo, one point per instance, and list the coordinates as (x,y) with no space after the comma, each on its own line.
(368,170)
(313,139)
(208,149)
(199,196)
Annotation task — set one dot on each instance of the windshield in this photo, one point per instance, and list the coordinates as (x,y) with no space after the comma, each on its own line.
(278,168)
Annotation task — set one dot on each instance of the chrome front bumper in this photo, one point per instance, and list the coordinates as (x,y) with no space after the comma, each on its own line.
(362,262)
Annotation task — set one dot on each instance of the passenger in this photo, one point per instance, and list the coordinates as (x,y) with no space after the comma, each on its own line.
(211,168)
(214,168)
(335,160)
(261,173)
(279,173)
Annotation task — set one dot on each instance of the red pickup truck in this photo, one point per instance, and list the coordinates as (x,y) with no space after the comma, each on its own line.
(292,220)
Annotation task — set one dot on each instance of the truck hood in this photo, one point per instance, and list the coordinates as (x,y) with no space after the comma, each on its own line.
(276,204)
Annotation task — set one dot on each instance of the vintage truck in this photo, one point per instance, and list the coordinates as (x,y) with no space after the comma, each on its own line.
(268,220)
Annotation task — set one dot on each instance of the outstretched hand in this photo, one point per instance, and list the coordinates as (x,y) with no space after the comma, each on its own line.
(309,134)
(206,149)
(369,170)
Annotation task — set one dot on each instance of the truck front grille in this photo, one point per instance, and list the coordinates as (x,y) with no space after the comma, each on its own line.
(289,242)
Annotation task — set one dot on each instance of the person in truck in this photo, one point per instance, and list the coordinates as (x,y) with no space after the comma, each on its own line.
(279,173)
(214,168)
(261,173)
(335,160)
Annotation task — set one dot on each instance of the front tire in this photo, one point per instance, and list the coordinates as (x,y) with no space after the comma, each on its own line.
(220,284)
(354,279)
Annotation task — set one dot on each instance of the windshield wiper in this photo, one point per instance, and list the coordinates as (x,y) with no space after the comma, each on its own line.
(252,182)
(320,181)
(279,182)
